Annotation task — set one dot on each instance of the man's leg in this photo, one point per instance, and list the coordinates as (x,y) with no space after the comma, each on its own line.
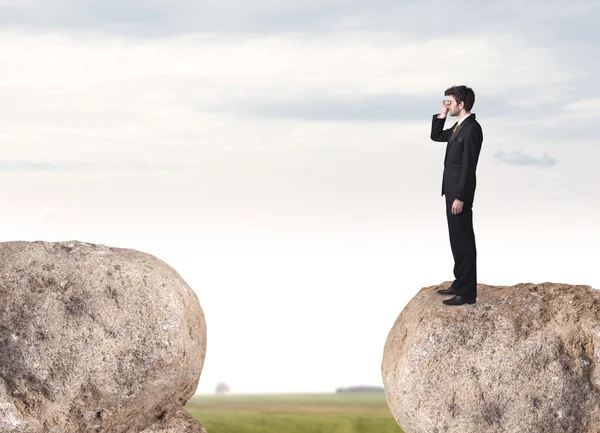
(462,241)
(453,242)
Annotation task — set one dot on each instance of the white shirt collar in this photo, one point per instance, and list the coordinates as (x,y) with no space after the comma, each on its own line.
(461,120)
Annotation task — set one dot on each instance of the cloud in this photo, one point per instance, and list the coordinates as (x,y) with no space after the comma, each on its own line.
(49,215)
(386,107)
(521,159)
(211,69)
(568,121)
(374,108)
(115,98)
(168,18)
(584,108)
(173,100)
(159,18)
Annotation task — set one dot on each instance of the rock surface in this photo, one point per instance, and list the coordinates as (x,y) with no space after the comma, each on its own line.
(524,358)
(179,422)
(94,339)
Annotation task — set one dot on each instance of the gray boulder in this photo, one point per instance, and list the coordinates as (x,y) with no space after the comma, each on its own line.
(94,339)
(524,358)
(179,422)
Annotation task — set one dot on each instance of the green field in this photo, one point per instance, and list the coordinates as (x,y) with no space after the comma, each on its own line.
(294,413)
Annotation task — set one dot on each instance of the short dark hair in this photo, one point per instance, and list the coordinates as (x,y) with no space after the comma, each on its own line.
(462,94)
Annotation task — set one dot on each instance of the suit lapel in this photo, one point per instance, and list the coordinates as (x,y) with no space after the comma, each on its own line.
(455,134)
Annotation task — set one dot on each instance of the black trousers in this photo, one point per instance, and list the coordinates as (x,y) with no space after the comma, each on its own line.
(462,242)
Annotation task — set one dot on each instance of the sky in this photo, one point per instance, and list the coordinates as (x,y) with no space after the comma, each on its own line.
(277,155)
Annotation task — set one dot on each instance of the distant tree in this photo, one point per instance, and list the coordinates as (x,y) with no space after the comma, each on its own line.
(222,388)
(361,388)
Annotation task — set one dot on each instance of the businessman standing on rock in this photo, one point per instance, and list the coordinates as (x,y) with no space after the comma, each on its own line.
(458,185)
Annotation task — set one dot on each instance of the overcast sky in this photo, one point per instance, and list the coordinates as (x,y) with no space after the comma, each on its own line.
(277,155)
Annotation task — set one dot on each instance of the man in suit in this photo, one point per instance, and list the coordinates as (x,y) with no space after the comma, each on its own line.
(458,185)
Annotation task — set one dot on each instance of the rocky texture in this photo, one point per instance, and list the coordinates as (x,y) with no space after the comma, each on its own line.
(94,339)
(179,422)
(524,358)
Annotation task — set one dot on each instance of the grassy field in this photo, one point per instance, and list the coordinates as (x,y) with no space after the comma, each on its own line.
(301,413)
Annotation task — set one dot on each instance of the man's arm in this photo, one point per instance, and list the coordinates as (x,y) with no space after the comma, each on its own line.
(437,126)
(472,146)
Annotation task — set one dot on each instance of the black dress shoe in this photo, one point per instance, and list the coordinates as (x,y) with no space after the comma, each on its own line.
(448,291)
(459,300)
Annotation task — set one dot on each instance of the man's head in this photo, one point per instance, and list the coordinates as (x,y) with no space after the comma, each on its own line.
(461,100)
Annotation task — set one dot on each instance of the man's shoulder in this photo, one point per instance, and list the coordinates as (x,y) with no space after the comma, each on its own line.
(472,120)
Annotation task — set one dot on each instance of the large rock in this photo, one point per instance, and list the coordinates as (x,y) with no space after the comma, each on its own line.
(524,358)
(179,422)
(94,339)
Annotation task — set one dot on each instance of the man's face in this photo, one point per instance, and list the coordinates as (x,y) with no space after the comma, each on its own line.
(453,108)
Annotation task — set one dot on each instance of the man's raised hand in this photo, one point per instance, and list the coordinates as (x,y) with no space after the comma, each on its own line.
(444,109)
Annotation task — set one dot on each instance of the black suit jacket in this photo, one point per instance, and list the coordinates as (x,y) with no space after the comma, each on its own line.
(462,153)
